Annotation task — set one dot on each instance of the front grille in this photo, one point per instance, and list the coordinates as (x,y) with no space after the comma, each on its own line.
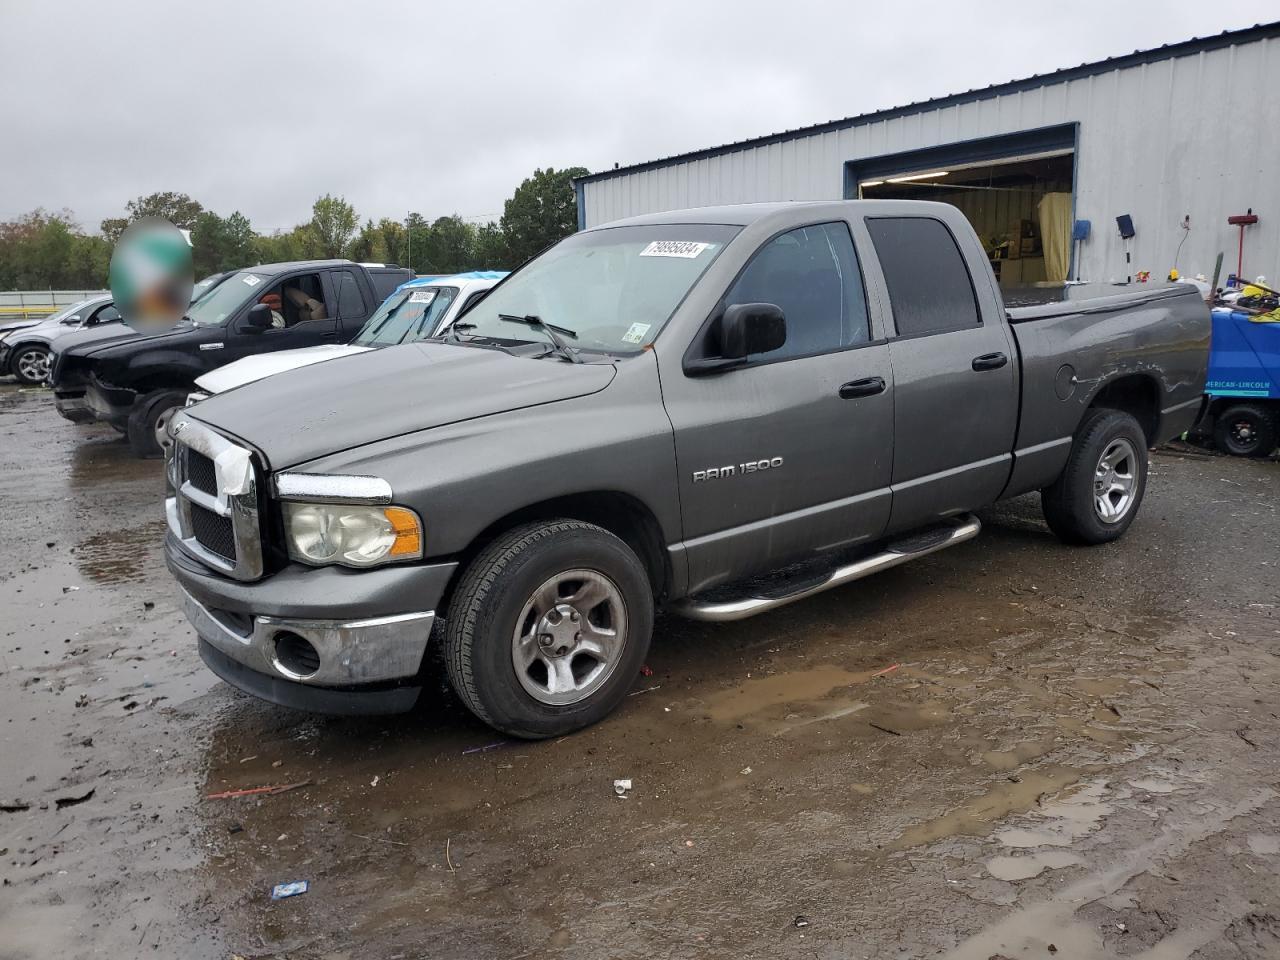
(213,532)
(201,472)
(212,504)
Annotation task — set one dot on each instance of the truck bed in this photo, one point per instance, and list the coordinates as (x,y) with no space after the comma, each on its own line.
(1055,300)
(1146,339)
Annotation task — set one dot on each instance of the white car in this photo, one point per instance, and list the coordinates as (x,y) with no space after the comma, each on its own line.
(415,310)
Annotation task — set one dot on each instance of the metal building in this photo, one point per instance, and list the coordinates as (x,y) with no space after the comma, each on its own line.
(1186,130)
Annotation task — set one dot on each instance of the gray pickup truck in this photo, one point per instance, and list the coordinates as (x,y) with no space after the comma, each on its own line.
(716,412)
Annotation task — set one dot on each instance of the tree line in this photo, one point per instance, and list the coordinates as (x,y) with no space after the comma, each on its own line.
(42,249)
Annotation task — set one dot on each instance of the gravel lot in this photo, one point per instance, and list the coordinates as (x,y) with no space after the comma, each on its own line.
(1011,749)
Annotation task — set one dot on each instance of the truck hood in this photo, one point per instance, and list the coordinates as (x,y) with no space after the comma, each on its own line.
(325,408)
(83,342)
(249,369)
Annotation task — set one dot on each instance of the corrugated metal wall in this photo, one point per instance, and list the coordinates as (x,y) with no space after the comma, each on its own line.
(1156,142)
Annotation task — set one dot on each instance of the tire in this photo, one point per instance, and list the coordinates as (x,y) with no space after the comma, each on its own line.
(149,416)
(506,593)
(1072,505)
(30,364)
(1245,430)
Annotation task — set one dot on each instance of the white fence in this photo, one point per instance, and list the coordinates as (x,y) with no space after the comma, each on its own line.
(25,304)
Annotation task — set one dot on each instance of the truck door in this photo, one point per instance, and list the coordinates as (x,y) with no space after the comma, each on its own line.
(791,453)
(303,315)
(955,373)
(352,310)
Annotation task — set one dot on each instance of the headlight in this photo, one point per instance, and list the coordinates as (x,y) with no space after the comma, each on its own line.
(351,535)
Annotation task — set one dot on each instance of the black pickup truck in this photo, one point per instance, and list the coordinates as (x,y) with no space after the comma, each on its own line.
(135,383)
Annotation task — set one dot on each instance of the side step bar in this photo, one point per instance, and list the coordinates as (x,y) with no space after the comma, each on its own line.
(908,548)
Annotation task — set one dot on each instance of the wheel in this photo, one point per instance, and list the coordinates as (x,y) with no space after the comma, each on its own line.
(149,422)
(1098,493)
(548,628)
(1245,430)
(30,364)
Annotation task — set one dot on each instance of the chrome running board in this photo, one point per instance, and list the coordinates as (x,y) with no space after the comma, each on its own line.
(911,547)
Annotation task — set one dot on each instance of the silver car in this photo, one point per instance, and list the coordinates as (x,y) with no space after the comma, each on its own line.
(25,349)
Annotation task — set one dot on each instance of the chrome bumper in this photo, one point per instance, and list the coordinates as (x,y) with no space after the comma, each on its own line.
(351,652)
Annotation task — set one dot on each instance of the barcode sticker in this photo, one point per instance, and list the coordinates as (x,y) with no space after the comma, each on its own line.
(687,249)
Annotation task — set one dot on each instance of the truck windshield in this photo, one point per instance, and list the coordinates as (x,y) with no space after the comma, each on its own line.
(225,299)
(605,291)
(405,316)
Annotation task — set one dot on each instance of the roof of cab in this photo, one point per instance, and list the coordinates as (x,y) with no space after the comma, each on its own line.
(272,268)
(744,214)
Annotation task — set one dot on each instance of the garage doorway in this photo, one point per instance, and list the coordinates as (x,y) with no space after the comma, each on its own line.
(1017,192)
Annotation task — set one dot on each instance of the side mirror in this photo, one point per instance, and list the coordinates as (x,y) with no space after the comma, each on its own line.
(258,318)
(748,328)
(72,320)
(745,329)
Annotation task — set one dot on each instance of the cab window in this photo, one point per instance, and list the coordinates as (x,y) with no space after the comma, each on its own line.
(812,273)
(296,300)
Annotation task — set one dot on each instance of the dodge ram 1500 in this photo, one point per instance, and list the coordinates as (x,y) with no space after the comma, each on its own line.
(717,411)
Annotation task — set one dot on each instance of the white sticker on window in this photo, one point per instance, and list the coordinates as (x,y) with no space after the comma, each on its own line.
(251,280)
(687,249)
(636,332)
(422,296)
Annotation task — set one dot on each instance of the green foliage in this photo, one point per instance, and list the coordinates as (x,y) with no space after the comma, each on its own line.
(42,250)
(178,208)
(333,222)
(49,250)
(542,211)
(221,244)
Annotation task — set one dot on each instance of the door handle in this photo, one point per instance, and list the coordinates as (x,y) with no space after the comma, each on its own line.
(990,361)
(867,387)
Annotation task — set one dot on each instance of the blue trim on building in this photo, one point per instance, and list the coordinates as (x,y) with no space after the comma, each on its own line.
(1169,51)
(1060,136)
(579,193)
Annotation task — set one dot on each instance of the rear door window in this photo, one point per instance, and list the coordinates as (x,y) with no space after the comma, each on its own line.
(351,303)
(812,273)
(930,289)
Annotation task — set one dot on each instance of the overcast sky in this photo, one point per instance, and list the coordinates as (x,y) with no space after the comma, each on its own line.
(444,107)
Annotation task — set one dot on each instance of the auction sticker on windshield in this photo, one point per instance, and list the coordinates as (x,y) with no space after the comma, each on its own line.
(688,249)
(251,280)
(422,296)
(636,332)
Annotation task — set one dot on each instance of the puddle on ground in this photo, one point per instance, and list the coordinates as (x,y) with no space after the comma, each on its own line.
(1090,731)
(1101,686)
(1030,865)
(1153,785)
(1264,845)
(760,693)
(844,709)
(1021,753)
(1063,820)
(975,816)
(119,556)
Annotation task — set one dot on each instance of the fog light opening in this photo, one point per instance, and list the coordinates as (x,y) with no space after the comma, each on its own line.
(295,657)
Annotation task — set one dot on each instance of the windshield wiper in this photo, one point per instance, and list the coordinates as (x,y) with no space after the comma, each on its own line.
(553,333)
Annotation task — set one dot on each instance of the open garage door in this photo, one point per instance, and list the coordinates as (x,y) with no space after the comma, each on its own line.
(1016,191)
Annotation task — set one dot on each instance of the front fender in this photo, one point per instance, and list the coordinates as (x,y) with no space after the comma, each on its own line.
(464,477)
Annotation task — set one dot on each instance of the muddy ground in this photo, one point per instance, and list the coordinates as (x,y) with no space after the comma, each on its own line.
(1011,749)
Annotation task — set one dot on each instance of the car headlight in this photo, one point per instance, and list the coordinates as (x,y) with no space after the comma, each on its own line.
(352,535)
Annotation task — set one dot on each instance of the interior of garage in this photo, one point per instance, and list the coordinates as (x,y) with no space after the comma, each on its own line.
(1021,208)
